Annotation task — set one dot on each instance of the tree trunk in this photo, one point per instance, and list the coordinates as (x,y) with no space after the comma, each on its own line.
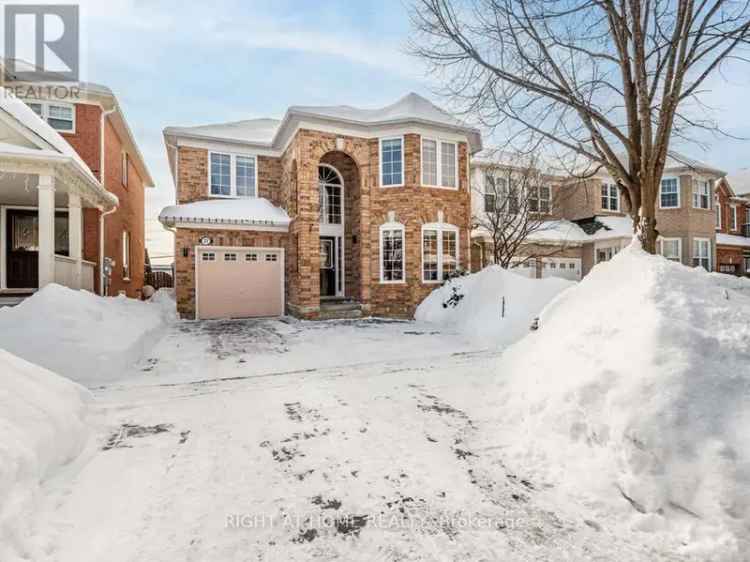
(647,232)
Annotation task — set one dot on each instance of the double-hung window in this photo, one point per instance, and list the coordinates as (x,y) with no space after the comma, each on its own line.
(610,197)
(59,116)
(733,217)
(702,253)
(701,194)
(392,265)
(494,191)
(671,248)
(392,162)
(669,195)
(539,199)
(232,175)
(439,163)
(439,252)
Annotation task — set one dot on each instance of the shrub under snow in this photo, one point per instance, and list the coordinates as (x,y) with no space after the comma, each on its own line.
(79,335)
(42,427)
(635,393)
(473,305)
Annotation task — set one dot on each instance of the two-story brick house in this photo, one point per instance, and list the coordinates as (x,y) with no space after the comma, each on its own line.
(90,119)
(328,211)
(732,223)
(589,221)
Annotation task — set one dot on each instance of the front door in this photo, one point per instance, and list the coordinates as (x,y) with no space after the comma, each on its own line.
(22,246)
(328,266)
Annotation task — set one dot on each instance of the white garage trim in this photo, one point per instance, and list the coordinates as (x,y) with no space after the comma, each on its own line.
(199,249)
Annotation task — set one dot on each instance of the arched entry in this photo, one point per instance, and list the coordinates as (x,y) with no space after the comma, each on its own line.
(332,239)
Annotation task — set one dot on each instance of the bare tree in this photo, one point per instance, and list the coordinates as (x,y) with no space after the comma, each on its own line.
(610,82)
(517,202)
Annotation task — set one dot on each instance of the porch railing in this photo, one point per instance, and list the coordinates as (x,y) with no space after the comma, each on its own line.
(65,273)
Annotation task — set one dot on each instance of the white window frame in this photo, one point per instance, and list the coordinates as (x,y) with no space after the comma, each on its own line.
(661,241)
(440,228)
(233,175)
(609,187)
(125,255)
(403,161)
(733,220)
(124,160)
(539,199)
(709,256)
(438,162)
(697,185)
(717,211)
(393,226)
(679,195)
(45,105)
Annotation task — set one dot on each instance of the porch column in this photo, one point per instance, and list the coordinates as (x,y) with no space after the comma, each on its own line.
(46,230)
(75,229)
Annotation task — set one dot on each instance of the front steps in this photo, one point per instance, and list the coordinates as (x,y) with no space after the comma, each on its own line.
(339,309)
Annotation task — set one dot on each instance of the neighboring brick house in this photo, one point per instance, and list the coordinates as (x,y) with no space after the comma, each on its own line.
(589,222)
(91,120)
(330,211)
(732,222)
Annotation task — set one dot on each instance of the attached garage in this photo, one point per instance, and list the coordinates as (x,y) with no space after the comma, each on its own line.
(239,282)
(565,268)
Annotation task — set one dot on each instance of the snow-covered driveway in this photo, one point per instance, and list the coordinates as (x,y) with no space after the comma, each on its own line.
(287,440)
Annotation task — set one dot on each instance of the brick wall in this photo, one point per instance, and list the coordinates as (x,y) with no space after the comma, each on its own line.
(580,199)
(187,239)
(87,137)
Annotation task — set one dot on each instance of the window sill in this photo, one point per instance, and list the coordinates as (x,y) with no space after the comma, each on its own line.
(445,187)
(392,282)
(392,186)
(669,208)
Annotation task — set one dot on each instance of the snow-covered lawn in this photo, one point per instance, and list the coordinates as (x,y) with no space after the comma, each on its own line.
(286,440)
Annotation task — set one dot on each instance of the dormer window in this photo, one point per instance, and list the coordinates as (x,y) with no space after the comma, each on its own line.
(232,175)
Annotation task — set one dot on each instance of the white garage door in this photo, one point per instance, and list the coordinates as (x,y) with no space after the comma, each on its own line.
(239,282)
(527,268)
(566,268)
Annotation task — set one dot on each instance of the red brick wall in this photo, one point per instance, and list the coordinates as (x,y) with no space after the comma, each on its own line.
(87,137)
(129,217)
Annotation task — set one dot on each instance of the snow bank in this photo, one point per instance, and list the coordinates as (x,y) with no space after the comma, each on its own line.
(82,336)
(42,427)
(635,393)
(479,313)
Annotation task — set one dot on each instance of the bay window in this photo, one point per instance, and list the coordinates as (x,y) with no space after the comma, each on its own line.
(610,197)
(232,175)
(702,253)
(439,163)
(392,264)
(701,194)
(439,252)
(669,194)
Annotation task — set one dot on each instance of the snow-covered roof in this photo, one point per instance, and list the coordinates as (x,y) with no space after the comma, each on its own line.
(675,162)
(568,232)
(253,131)
(254,211)
(732,240)
(411,108)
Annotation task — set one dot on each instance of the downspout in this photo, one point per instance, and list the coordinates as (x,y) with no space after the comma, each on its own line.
(105,115)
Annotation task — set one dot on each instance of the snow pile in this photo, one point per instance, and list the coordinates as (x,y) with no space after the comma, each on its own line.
(473,305)
(635,393)
(732,282)
(42,427)
(79,335)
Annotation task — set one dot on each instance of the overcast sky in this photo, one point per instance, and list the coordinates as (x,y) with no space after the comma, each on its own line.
(194,62)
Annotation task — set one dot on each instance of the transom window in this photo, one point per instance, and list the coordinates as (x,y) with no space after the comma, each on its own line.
(701,194)
(669,196)
(671,248)
(610,197)
(59,116)
(391,162)
(392,266)
(439,163)
(329,183)
(439,252)
(232,175)
(702,253)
